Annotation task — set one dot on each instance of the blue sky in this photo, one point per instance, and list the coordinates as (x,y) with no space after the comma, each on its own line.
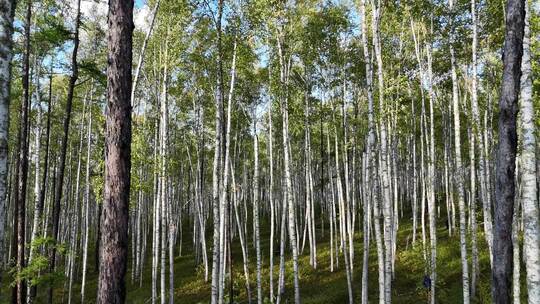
(139,3)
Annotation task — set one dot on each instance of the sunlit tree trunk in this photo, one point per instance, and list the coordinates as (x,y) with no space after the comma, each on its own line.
(114,219)
(6,53)
(37,181)
(216,176)
(475,267)
(482,172)
(241,234)
(383,143)
(272,204)
(431,179)
(288,191)
(342,222)
(256,209)
(528,176)
(19,229)
(77,207)
(223,196)
(459,181)
(516,270)
(86,201)
(162,180)
(140,61)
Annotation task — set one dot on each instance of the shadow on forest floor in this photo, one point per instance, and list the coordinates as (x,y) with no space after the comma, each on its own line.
(316,285)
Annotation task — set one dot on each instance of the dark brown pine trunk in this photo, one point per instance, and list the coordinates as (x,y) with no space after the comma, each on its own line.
(114,218)
(506,153)
(22,164)
(63,152)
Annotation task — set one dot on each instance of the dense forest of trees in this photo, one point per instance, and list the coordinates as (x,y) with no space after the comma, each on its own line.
(269,151)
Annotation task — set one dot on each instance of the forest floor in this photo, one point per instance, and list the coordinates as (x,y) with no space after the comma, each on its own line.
(316,285)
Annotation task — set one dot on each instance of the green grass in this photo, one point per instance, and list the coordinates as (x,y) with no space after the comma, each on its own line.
(316,286)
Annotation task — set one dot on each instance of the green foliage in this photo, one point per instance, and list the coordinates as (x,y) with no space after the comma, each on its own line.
(90,69)
(37,272)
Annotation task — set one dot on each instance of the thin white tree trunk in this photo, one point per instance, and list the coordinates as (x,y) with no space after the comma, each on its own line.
(271,198)
(342,222)
(283,235)
(37,190)
(372,182)
(287,172)
(485,194)
(172,229)
(163,172)
(528,158)
(459,181)
(77,207)
(143,50)
(475,268)
(256,209)
(155,221)
(516,271)
(383,143)
(6,31)
(431,179)
(223,196)
(217,167)
(241,234)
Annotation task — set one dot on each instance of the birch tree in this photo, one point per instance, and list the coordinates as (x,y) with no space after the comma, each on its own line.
(6,53)
(528,174)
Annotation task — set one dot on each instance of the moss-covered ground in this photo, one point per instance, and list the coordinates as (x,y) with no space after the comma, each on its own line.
(317,285)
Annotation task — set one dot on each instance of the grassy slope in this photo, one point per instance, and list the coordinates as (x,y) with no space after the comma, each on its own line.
(317,286)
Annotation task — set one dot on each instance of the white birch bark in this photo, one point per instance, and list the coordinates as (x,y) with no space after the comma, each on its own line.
(383,143)
(241,234)
(143,50)
(287,173)
(459,181)
(217,167)
(86,200)
(528,158)
(431,179)
(343,222)
(77,206)
(371,172)
(6,31)
(256,209)
(223,195)
(37,190)
(271,199)
(475,268)
(516,270)
(163,141)
(484,176)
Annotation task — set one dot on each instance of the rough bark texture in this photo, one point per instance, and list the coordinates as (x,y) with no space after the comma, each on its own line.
(22,163)
(383,144)
(7,11)
(459,181)
(114,221)
(460,172)
(256,213)
(216,180)
(531,239)
(506,153)
(371,165)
